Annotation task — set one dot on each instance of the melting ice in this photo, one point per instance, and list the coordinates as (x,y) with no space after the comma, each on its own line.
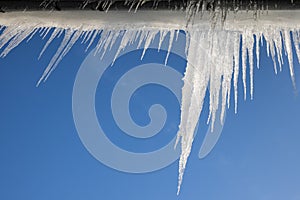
(213,49)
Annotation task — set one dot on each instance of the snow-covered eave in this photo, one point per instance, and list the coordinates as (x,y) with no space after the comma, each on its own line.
(87,20)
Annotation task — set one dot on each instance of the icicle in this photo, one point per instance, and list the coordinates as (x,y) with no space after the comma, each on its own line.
(288,48)
(193,93)
(258,38)
(273,54)
(44,34)
(163,34)
(250,53)
(19,35)
(244,62)
(109,40)
(150,37)
(92,37)
(236,55)
(103,37)
(54,35)
(177,35)
(32,34)
(296,43)
(227,74)
(269,36)
(247,49)
(53,63)
(84,36)
(143,36)
(67,48)
(172,33)
(43,31)
(278,45)
(125,40)
(215,61)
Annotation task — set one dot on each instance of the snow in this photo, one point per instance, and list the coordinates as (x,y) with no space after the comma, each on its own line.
(213,49)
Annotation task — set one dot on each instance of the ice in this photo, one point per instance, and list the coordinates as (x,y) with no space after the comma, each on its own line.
(210,66)
(288,49)
(213,48)
(236,57)
(57,57)
(296,40)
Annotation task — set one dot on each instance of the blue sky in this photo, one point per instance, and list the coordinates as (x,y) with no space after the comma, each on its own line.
(42,156)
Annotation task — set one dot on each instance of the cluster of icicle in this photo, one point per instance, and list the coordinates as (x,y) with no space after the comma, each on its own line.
(212,60)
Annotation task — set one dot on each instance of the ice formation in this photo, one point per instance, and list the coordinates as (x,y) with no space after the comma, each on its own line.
(213,48)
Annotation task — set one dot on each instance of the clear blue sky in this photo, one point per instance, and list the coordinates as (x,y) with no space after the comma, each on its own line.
(42,157)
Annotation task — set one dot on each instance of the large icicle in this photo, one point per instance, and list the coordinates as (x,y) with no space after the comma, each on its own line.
(193,93)
(212,47)
(209,66)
